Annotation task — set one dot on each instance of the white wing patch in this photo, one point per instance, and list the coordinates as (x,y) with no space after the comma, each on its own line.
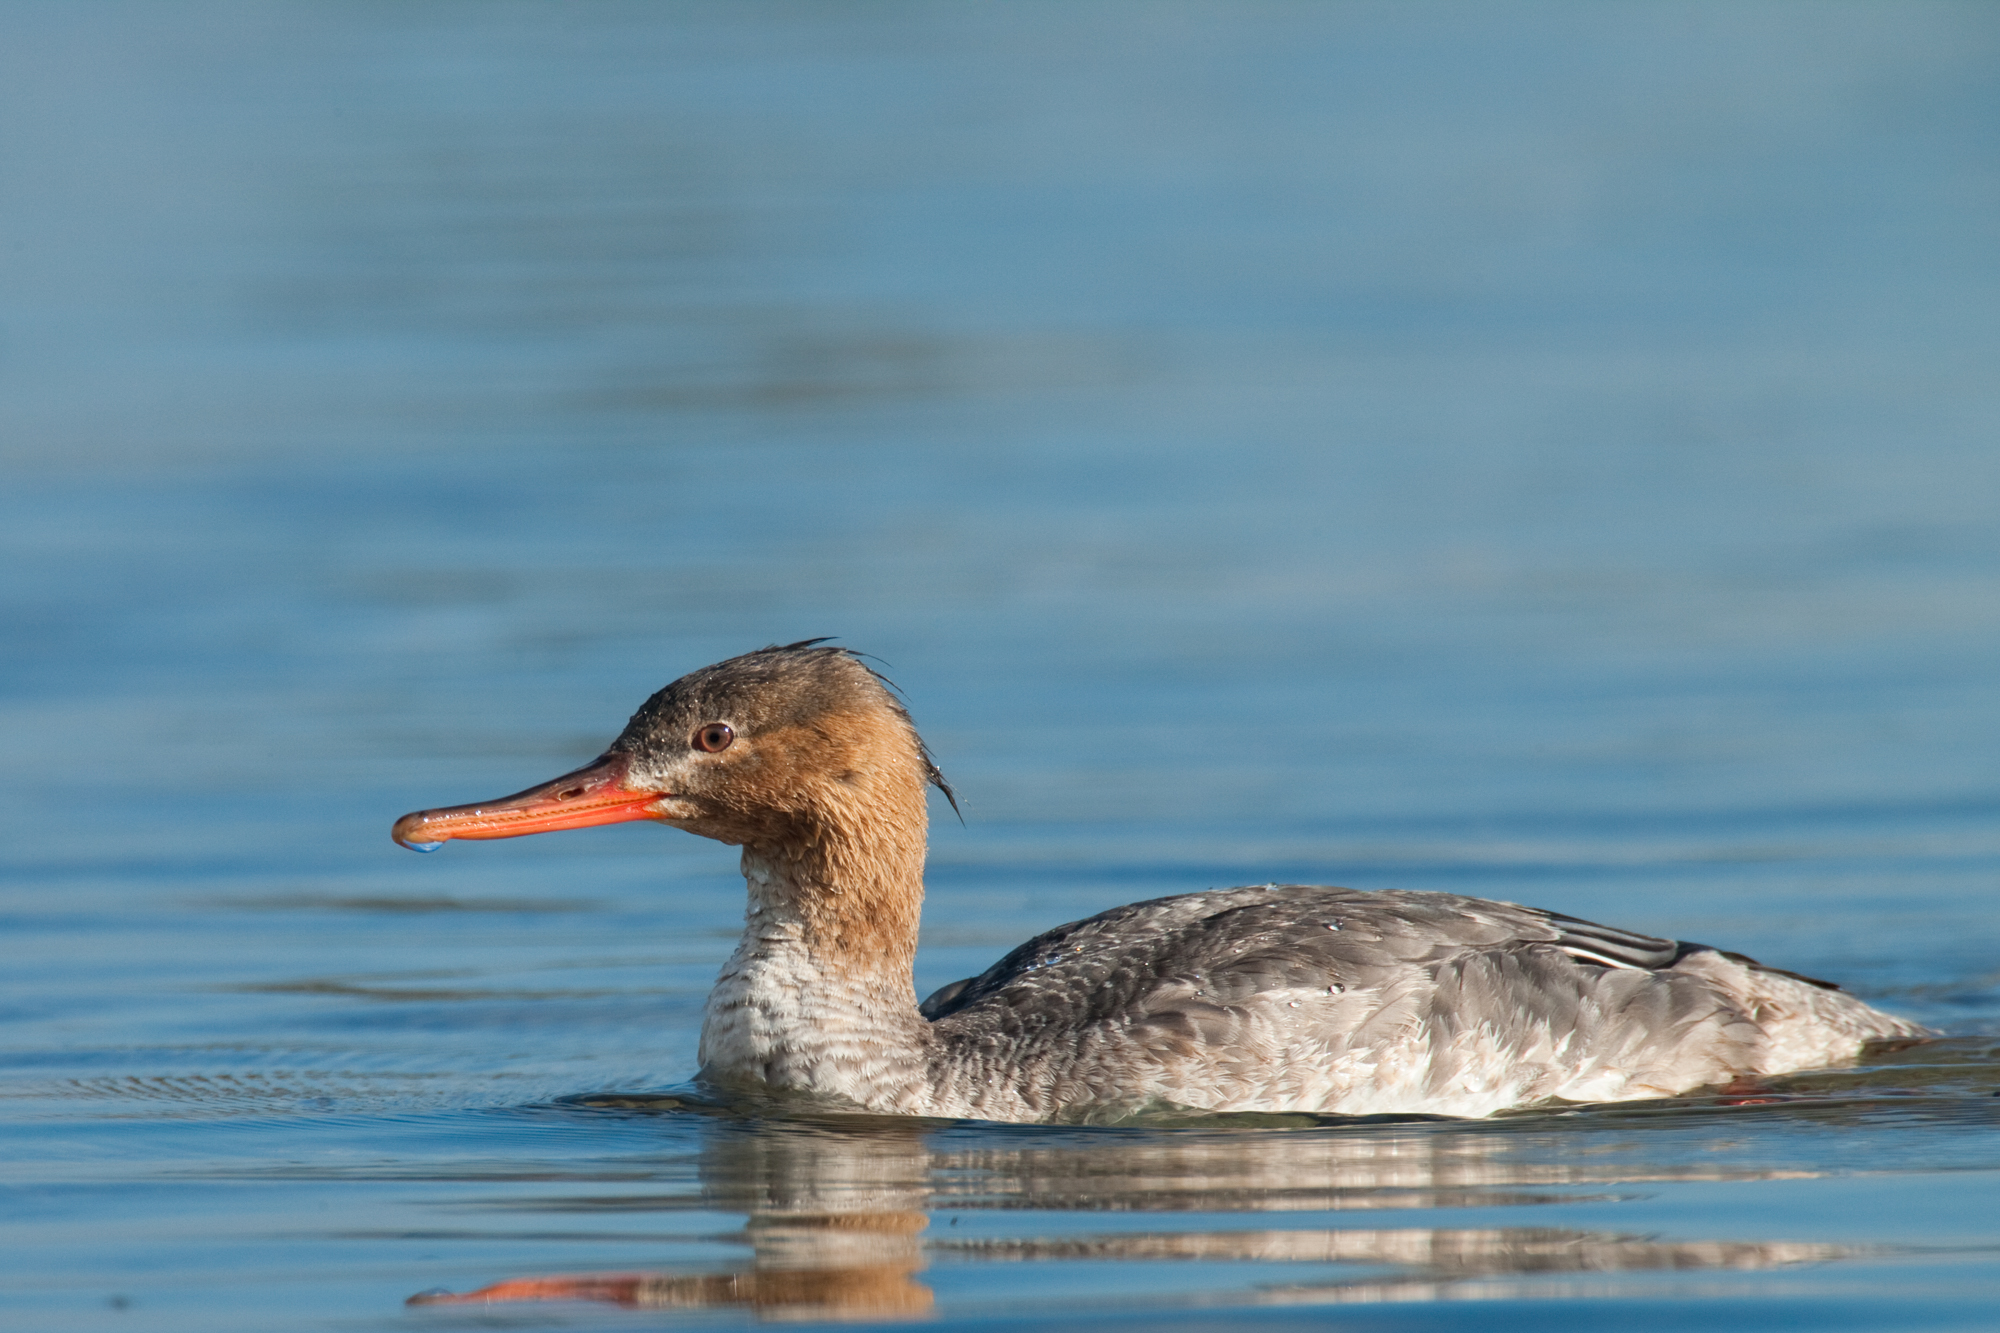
(1589,956)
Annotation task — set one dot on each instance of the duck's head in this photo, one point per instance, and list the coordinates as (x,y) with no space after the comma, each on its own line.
(786,747)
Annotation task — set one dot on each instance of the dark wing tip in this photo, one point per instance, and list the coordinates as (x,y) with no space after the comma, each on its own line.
(942,1000)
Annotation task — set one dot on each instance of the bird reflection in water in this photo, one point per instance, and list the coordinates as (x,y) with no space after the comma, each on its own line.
(839,1219)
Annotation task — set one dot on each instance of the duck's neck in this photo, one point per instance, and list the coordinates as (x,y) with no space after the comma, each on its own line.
(818,997)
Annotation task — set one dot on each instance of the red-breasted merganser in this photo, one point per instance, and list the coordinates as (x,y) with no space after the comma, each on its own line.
(1278,998)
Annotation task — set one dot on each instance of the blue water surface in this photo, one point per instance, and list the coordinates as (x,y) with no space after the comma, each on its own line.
(1547,451)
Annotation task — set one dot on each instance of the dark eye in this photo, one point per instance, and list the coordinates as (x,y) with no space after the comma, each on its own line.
(714,737)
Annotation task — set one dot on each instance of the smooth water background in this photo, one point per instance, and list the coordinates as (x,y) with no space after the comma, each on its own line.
(1543,451)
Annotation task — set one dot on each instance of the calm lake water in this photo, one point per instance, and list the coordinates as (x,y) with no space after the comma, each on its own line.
(1542,451)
